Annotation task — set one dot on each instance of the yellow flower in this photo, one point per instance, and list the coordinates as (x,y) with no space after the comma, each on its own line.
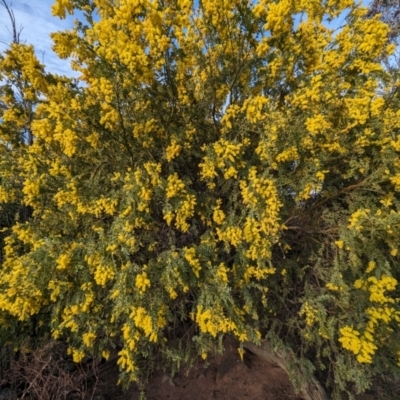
(172,151)
(63,261)
(222,273)
(332,287)
(175,186)
(77,355)
(339,243)
(359,284)
(142,282)
(143,321)
(310,313)
(88,339)
(371,267)
(190,256)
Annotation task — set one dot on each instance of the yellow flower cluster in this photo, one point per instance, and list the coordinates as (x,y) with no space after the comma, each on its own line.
(77,355)
(257,189)
(378,316)
(218,214)
(226,154)
(103,274)
(373,35)
(278,17)
(251,230)
(21,296)
(231,234)
(222,273)
(172,151)
(175,186)
(7,196)
(361,346)
(88,339)
(105,205)
(253,107)
(357,218)
(190,256)
(377,287)
(310,313)
(207,171)
(230,113)
(130,337)
(289,154)
(257,272)
(331,286)
(126,362)
(60,7)
(371,266)
(185,211)
(68,140)
(68,317)
(384,314)
(317,124)
(31,191)
(213,322)
(144,322)
(260,194)
(64,259)
(395,180)
(142,282)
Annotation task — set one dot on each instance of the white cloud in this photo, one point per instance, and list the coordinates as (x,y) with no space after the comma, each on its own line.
(34,16)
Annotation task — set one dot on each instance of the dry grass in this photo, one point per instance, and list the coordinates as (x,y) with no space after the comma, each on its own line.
(46,373)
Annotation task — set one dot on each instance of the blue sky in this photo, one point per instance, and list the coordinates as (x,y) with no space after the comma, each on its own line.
(37,22)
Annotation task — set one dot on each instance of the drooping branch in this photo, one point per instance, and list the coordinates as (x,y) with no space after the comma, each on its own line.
(310,389)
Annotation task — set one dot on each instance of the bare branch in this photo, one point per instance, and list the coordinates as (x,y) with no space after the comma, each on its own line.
(16,34)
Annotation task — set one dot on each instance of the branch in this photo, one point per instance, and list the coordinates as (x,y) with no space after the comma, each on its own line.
(310,389)
(15,34)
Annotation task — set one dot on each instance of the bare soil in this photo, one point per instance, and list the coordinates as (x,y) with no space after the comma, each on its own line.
(223,377)
(48,375)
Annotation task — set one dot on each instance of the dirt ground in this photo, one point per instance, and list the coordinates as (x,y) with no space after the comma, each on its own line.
(222,377)
(226,377)
(47,374)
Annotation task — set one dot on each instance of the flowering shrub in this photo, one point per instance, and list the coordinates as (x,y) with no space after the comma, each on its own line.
(230,167)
